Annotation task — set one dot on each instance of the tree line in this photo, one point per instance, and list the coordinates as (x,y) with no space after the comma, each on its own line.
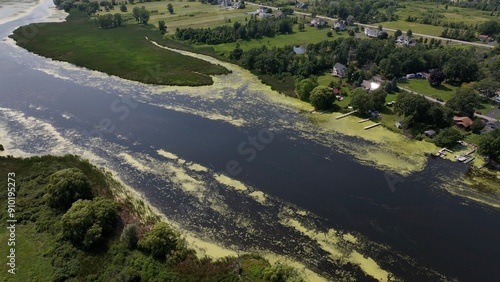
(253,29)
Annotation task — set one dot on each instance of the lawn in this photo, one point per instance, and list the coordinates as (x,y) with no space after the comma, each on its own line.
(31,265)
(444,91)
(297,38)
(121,51)
(452,14)
(188,14)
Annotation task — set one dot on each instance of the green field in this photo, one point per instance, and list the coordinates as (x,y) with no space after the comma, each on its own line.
(444,91)
(452,14)
(189,14)
(297,38)
(122,51)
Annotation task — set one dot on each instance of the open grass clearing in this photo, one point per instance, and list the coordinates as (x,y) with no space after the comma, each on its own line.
(122,51)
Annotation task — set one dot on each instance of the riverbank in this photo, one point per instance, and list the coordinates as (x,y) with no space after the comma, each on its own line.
(121,51)
(34,217)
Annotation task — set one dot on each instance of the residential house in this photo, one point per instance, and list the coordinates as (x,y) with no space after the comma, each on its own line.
(265,15)
(299,50)
(280,15)
(462,122)
(489,126)
(406,41)
(263,9)
(339,70)
(497,98)
(369,85)
(430,133)
(239,5)
(341,25)
(302,5)
(485,38)
(372,32)
(318,22)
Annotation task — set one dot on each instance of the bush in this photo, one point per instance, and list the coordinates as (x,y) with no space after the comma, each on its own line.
(129,236)
(321,98)
(447,137)
(87,222)
(67,186)
(159,241)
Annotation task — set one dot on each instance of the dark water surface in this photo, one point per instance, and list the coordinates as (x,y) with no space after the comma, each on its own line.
(412,229)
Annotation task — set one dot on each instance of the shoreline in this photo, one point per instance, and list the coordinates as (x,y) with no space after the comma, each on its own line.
(402,156)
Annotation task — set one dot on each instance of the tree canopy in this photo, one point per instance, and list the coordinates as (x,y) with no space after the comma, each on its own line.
(489,144)
(447,137)
(67,186)
(160,240)
(304,87)
(87,222)
(464,101)
(322,98)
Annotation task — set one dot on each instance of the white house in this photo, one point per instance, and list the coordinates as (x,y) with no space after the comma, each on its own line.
(318,22)
(372,32)
(370,85)
(341,25)
(406,41)
(339,70)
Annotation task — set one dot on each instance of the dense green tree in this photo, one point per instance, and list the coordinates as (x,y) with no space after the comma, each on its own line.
(495,68)
(88,222)
(170,8)
(117,20)
(461,68)
(361,100)
(487,87)
(464,101)
(159,241)
(447,137)
(408,104)
(476,126)
(304,87)
(398,33)
(162,27)
(409,33)
(489,144)
(66,187)
(321,98)
(378,97)
(301,26)
(144,15)
(490,27)
(123,8)
(236,53)
(436,77)
(129,236)
(438,116)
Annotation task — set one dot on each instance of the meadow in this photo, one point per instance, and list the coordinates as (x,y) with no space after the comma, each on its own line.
(450,14)
(121,51)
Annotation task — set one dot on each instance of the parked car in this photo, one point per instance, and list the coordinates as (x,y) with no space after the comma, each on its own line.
(410,75)
(440,100)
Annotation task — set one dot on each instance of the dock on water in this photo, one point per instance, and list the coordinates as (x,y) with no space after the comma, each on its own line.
(372,126)
(344,115)
(469,160)
(363,120)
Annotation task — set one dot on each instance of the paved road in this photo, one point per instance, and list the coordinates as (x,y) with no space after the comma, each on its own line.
(387,29)
(442,103)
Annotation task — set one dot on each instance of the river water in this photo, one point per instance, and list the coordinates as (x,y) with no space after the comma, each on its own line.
(239,165)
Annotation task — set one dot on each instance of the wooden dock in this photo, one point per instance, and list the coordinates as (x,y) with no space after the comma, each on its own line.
(363,120)
(372,126)
(469,160)
(348,114)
